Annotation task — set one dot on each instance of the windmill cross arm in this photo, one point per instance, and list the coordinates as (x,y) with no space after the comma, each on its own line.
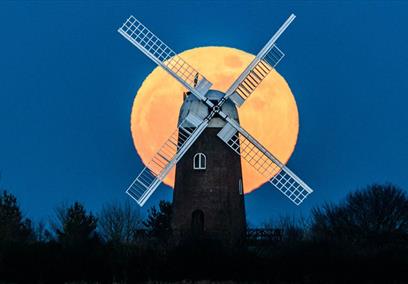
(264,162)
(154,48)
(269,56)
(168,155)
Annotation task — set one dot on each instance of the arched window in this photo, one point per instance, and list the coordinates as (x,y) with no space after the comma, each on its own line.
(199,161)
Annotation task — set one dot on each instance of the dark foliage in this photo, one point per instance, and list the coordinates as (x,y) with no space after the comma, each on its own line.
(13,227)
(75,227)
(376,215)
(118,223)
(360,240)
(158,221)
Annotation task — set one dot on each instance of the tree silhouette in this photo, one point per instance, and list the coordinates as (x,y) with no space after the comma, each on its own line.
(119,222)
(74,225)
(292,229)
(376,214)
(365,241)
(158,222)
(13,227)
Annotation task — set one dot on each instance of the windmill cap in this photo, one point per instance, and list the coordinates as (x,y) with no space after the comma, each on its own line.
(193,105)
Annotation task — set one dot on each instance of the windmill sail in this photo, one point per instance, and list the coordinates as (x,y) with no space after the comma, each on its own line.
(267,59)
(264,162)
(168,155)
(190,129)
(154,48)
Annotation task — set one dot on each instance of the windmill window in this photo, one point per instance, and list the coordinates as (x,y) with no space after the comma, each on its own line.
(199,161)
(240,187)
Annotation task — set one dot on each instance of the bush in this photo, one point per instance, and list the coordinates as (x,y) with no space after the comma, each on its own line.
(376,215)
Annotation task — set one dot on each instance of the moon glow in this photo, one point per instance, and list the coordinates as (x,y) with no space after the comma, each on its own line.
(270,114)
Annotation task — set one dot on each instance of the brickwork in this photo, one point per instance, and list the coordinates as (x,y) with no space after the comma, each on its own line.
(214,191)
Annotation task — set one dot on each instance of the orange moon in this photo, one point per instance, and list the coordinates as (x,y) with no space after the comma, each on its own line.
(270,114)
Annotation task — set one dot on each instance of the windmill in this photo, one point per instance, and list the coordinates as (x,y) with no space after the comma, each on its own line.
(209,113)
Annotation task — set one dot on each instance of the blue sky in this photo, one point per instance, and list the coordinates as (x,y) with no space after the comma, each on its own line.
(68,80)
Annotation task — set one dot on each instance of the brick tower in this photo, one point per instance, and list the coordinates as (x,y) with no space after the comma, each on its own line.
(208,200)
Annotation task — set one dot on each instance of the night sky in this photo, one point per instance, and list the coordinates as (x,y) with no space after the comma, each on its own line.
(68,80)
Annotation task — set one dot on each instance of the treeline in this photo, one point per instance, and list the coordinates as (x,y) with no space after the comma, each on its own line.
(363,238)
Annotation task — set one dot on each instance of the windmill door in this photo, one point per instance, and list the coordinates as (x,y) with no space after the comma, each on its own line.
(197,223)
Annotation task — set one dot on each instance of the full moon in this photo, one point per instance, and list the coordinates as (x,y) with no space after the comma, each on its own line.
(270,114)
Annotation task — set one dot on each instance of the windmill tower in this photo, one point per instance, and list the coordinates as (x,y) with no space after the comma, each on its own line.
(208,199)
(209,143)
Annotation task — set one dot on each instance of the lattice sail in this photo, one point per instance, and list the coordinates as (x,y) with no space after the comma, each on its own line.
(266,164)
(274,56)
(256,75)
(249,84)
(267,59)
(141,37)
(168,155)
